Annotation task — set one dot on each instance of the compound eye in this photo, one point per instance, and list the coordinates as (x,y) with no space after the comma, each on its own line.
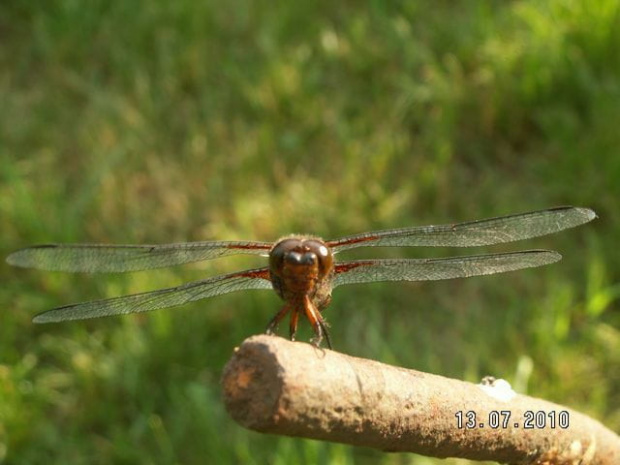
(280,250)
(326,259)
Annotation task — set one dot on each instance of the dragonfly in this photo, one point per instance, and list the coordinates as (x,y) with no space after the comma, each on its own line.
(301,268)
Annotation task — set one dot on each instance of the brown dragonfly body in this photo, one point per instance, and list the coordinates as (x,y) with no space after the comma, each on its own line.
(302,269)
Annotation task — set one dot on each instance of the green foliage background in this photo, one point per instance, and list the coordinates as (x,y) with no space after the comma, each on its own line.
(158,121)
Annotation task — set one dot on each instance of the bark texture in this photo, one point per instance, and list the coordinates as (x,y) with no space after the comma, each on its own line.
(276,386)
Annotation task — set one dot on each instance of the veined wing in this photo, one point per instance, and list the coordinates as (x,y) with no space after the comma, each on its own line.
(117,258)
(473,233)
(162,298)
(365,271)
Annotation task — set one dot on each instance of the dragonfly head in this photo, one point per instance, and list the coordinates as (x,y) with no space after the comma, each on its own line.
(296,264)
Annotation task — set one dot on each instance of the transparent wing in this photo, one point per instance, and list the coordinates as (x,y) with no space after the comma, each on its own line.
(365,271)
(474,233)
(163,298)
(117,258)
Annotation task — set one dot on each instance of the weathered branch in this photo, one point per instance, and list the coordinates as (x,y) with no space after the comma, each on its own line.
(276,386)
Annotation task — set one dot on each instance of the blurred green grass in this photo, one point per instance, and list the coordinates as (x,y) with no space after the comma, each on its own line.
(176,121)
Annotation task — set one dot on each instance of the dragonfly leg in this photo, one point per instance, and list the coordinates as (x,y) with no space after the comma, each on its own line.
(318,324)
(273,324)
(293,323)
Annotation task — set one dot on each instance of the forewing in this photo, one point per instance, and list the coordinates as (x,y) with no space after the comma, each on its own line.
(364,271)
(474,233)
(117,258)
(163,298)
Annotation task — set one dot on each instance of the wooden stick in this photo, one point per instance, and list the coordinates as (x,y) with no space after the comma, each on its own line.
(276,386)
